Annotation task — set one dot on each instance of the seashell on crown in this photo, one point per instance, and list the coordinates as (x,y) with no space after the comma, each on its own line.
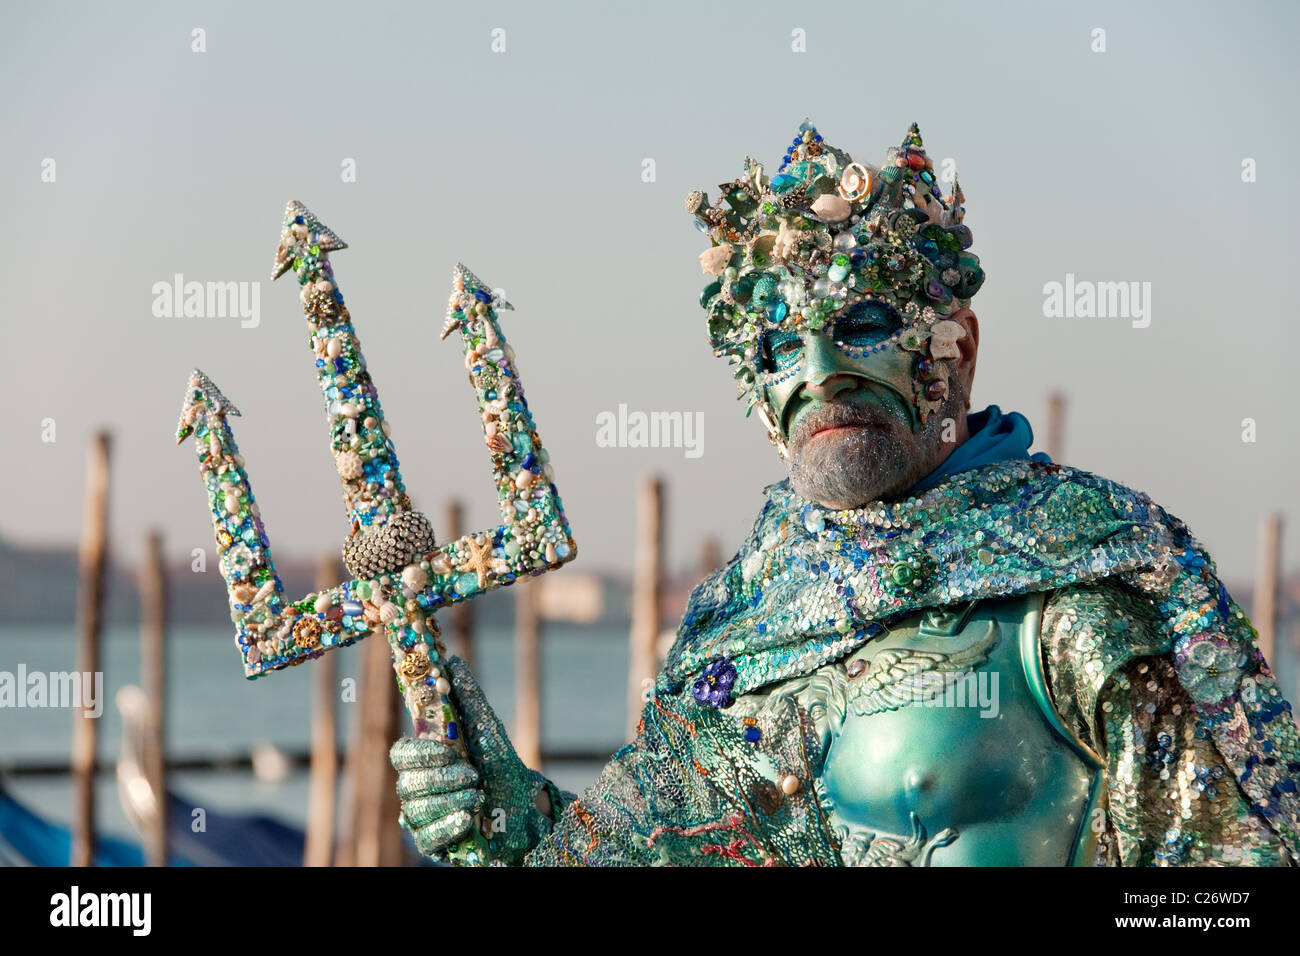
(823,234)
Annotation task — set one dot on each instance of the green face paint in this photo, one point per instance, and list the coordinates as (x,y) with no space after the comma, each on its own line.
(834,267)
(865,342)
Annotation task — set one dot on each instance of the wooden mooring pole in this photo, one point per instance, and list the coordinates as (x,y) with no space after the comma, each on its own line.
(460,616)
(378,838)
(1054,439)
(646,593)
(92,559)
(527,731)
(319,845)
(1267,575)
(153,675)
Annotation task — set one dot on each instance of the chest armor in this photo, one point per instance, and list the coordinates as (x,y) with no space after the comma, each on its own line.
(943,747)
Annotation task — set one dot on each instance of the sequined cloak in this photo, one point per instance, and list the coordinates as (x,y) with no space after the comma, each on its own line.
(1147,655)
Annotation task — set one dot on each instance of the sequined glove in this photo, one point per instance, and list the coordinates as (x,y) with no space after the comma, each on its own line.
(439,790)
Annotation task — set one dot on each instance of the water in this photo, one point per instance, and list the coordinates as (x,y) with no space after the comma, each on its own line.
(213,711)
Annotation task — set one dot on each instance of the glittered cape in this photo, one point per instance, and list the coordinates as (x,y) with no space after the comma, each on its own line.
(811,585)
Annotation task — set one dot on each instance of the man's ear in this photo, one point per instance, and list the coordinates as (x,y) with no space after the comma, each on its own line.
(968,345)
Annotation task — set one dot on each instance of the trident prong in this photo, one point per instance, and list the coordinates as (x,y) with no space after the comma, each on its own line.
(400,575)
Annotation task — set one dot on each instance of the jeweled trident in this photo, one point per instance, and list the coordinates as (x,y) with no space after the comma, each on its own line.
(400,575)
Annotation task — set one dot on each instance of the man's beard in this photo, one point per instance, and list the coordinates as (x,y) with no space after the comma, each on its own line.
(878,460)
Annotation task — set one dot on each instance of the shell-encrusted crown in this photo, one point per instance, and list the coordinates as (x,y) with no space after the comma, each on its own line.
(823,234)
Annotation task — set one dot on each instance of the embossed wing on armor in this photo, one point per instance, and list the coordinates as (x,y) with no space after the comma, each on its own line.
(903,675)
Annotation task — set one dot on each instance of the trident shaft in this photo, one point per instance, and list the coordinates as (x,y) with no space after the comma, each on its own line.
(400,575)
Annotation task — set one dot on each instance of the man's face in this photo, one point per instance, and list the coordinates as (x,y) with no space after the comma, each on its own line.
(845,406)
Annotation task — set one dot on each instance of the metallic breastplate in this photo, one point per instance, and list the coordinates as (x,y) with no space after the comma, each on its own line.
(944,748)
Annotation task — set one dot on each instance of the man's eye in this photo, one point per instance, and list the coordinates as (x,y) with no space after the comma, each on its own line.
(781,351)
(866,325)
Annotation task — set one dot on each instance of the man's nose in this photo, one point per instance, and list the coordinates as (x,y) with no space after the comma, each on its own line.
(823,377)
(827,389)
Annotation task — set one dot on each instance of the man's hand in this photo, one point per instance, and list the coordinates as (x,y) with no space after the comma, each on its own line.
(439,790)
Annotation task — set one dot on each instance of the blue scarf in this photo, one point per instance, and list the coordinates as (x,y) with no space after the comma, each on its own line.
(993,437)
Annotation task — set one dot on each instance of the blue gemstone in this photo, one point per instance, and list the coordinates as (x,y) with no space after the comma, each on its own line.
(299,221)
(782,182)
(482,296)
(352,608)
(778,311)
(529,460)
(752,734)
(452,731)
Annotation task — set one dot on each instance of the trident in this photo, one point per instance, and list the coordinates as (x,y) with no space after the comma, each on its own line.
(400,575)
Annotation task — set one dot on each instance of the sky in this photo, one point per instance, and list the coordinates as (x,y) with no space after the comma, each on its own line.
(516,138)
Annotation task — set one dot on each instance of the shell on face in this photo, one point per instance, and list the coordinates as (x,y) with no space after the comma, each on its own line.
(943,339)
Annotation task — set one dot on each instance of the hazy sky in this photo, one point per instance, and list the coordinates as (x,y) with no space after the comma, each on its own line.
(528,165)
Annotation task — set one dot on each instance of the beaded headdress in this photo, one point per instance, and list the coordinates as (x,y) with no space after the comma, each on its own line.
(827,233)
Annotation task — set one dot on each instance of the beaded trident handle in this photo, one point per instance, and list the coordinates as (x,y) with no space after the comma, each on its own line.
(400,576)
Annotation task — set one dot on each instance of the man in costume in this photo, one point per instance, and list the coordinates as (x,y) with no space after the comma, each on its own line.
(933,648)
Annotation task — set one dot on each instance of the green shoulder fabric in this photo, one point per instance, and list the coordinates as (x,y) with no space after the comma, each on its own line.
(1173,796)
(701,787)
(810,585)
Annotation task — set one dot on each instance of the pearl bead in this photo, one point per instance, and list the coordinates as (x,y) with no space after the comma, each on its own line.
(790,785)
(414,577)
